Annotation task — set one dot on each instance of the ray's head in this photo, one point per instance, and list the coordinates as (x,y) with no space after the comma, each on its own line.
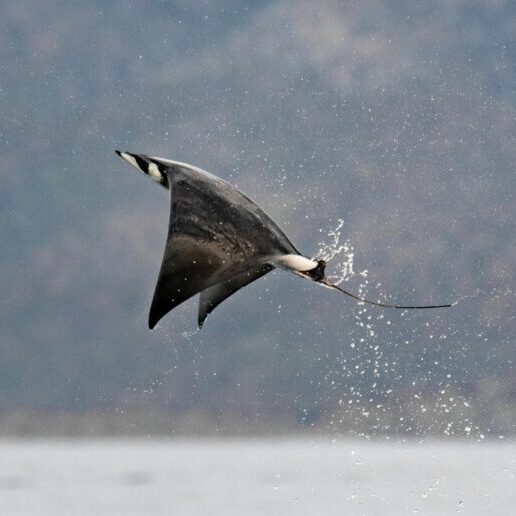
(317,273)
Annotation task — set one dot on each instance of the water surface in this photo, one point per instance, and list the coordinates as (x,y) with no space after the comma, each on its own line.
(256,477)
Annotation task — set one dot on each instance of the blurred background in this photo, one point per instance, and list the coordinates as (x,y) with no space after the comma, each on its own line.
(391,124)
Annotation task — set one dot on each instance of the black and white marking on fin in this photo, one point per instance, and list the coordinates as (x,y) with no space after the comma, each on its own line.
(151,167)
(218,241)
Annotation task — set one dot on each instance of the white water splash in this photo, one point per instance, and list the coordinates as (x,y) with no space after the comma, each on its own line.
(345,251)
(367,351)
(187,335)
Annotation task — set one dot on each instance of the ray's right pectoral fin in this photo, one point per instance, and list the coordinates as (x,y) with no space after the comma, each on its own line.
(213,296)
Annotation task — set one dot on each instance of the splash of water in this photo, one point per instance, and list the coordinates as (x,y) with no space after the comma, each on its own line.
(345,251)
(367,353)
(187,335)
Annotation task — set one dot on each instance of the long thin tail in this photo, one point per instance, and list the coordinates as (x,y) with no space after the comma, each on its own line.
(326,283)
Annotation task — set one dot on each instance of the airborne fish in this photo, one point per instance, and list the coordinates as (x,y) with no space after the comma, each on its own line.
(219,241)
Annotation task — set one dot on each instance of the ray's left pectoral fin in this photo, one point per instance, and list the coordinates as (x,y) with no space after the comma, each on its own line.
(186,270)
(213,296)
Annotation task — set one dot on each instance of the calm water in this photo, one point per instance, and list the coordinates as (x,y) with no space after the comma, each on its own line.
(256,477)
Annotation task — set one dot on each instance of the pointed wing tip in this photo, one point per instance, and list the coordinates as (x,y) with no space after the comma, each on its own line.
(153,320)
(124,154)
(201,318)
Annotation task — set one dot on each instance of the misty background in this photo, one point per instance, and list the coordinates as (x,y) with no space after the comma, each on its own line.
(396,117)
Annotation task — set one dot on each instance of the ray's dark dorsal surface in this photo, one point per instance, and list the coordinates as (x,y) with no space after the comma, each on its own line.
(218,241)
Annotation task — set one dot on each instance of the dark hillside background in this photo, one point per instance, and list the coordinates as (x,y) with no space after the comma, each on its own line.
(397,117)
